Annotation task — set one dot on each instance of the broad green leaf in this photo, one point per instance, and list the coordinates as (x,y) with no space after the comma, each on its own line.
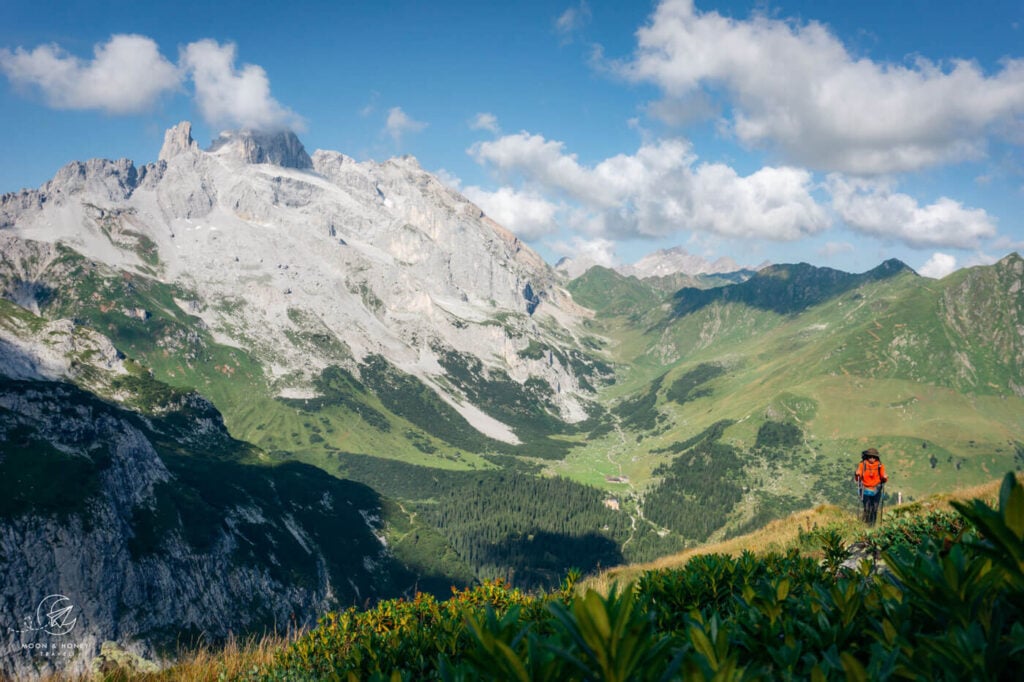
(854,670)
(512,661)
(1011,502)
(702,644)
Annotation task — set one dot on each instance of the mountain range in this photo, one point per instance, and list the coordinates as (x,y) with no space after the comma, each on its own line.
(665,266)
(243,385)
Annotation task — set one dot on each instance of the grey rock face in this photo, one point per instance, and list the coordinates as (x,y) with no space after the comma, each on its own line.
(280,148)
(88,548)
(269,243)
(178,140)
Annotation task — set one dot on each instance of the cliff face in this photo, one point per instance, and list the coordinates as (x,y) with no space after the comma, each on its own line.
(109,533)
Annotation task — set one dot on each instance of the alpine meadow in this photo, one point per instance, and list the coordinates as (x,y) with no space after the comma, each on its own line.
(269,413)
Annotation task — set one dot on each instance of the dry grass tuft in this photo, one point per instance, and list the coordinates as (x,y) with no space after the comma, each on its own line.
(232,661)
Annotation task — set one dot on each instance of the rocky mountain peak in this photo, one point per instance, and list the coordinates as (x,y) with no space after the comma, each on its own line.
(280,147)
(1012,260)
(677,260)
(178,140)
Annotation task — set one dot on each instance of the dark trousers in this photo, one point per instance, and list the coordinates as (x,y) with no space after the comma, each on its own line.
(871,503)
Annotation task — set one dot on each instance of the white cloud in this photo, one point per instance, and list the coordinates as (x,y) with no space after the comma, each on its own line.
(872,207)
(527,214)
(485,121)
(682,111)
(587,252)
(399,123)
(1006,244)
(659,190)
(795,87)
(449,178)
(231,97)
(126,75)
(572,20)
(938,266)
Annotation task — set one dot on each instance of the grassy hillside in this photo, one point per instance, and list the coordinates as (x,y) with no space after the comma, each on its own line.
(928,372)
(798,529)
(611,294)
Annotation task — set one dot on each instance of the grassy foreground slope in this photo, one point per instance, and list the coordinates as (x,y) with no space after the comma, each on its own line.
(778,604)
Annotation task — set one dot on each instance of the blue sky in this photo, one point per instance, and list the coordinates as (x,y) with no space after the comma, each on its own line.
(836,133)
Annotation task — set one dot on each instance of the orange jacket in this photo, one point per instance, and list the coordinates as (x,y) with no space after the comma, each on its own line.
(871,472)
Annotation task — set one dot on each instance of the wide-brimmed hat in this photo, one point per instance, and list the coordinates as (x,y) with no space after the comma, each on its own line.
(870,452)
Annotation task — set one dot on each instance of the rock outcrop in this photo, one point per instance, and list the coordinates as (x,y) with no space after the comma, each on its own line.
(178,140)
(280,148)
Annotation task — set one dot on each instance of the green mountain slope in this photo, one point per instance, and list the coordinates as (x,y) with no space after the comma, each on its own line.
(929,372)
(610,294)
(785,288)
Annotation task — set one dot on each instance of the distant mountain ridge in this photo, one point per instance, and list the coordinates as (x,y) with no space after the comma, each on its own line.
(786,288)
(663,263)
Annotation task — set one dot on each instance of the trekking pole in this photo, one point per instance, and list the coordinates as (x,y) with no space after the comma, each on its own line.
(881,500)
(860,498)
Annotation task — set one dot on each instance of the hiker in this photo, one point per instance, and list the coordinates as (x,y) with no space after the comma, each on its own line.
(871,480)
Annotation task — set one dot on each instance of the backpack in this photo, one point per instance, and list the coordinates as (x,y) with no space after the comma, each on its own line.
(870,472)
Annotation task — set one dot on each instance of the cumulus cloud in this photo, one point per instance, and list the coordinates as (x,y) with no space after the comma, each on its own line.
(659,190)
(598,251)
(938,266)
(485,121)
(580,254)
(126,75)
(795,87)
(872,207)
(232,97)
(399,123)
(527,214)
